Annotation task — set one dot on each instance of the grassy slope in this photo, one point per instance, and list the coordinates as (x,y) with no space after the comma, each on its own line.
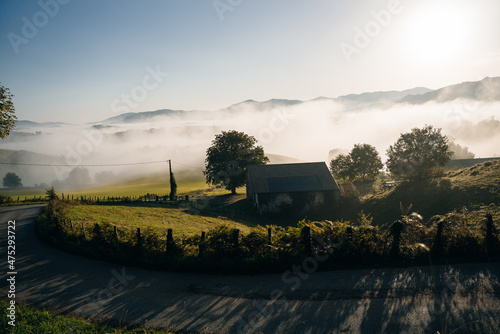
(184,221)
(33,320)
(471,187)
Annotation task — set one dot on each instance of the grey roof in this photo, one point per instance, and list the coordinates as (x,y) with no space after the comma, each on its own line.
(311,176)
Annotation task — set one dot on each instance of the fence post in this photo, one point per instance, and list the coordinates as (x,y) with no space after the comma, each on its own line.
(396,230)
(306,240)
(139,239)
(115,230)
(236,241)
(349,231)
(201,246)
(72,227)
(170,241)
(492,243)
(269,236)
(437,248)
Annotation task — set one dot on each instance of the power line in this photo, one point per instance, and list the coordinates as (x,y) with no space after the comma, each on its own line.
(89,165)
(198,168)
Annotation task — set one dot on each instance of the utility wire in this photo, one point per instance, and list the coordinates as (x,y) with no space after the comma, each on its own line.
(178,163)
(91,165)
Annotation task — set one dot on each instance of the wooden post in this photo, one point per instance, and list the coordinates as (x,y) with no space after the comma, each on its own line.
(396,230)
(349,233)
(170,241)
(115,230)
(72,227)
(307,240)
(437,247)
(201,246)
(492,244)
(236,240)
(139,239)
(269,236)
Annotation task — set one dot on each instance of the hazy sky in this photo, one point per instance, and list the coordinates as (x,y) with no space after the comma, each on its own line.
(82,61)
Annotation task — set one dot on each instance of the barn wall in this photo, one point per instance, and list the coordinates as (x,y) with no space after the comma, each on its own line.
(297,202)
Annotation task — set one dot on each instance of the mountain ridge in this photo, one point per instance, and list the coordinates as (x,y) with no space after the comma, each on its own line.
(487,89)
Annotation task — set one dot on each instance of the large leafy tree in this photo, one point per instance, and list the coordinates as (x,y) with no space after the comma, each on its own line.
(11,180)
(7,112)
(341,167)
(366,162)
(417,154)
(228,157)
(361,164)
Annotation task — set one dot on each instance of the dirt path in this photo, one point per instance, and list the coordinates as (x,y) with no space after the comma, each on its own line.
(345,301)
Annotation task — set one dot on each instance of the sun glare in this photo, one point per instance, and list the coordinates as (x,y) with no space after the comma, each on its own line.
(437,33)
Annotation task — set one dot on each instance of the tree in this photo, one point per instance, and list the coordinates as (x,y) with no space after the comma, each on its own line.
(366,162)
(7,112)
(11,180)
(459,151)
(341,167)
(228,157)
(417,154)
(51,194)
(361,164)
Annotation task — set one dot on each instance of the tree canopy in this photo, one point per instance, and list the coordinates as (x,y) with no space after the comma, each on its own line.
(227,159)
(361,164)
(7,112)
(417,154)
(11,180)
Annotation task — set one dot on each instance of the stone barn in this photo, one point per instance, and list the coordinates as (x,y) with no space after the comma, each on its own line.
(298,188)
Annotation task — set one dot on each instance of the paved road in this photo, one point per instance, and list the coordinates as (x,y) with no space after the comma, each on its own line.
(345,301)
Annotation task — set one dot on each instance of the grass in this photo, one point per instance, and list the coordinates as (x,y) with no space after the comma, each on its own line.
(183,220)
(187,185)
(134,187)
(471,187)
(34,320)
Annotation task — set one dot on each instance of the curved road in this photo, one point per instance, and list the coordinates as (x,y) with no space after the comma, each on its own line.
(464,297)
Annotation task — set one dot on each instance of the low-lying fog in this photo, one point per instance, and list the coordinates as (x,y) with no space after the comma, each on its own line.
(307,131)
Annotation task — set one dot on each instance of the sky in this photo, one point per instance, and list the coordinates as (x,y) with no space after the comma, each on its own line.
(84,61)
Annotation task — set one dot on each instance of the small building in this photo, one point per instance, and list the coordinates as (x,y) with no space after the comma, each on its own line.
(298,188)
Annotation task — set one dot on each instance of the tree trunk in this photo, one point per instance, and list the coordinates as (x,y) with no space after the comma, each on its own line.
(233,190)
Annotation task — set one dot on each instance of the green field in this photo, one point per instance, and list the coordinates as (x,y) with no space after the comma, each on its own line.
(183,220)
(136,187)
(186,185)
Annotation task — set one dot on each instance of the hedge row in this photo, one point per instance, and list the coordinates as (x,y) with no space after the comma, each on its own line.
(273,248)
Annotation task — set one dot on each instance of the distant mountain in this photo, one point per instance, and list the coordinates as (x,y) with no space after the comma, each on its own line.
(487,89)
(380,97)
(137,117)
(262,106)
(22,156)
(24,124)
